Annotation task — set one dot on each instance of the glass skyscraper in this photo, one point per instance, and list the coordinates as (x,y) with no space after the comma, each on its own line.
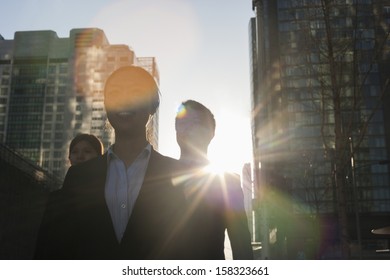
(321,125)
(51,89)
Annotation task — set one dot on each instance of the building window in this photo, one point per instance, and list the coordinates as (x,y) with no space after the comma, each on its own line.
(49,99)
(57,154)
(4,91)
(63,69)
(60,108)
(58,145)
(52,69)
(46,145)
(58,135)
(4,81)
(61,90)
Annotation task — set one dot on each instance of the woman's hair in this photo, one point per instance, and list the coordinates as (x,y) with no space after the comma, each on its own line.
(91,139)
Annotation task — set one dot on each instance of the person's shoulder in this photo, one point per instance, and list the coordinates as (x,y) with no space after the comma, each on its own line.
(231,175)
(232,182)
(86,170)
(162,161)
(160,157)
(90,164)
(232,178)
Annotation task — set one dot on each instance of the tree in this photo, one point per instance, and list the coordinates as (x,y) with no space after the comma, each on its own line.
(320,77)
(345,45)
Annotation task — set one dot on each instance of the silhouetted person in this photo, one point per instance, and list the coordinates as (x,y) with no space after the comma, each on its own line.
(215,202)
(121,205)
(84,147)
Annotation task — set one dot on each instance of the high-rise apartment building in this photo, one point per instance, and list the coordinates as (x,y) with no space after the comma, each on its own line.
(321,126)
(51,89)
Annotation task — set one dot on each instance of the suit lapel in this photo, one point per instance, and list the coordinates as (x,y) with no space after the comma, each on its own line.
(146,192)
(97,175)
(154,203)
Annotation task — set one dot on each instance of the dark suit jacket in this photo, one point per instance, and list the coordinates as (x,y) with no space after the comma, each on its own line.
(77,223)
(215,203)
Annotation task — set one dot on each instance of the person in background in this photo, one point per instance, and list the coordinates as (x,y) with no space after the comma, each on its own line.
(215,202)
(84,147)
(121,205)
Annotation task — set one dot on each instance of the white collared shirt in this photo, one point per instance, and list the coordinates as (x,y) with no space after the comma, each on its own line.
(123,186)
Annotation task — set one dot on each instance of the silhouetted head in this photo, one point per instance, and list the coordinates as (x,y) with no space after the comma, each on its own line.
(195,126)
(131,95)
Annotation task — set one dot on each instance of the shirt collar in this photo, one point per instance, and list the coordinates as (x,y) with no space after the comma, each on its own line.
(144,153)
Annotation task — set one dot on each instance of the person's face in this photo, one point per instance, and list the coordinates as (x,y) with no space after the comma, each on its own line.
(191,130)
(81,152)
(127,102)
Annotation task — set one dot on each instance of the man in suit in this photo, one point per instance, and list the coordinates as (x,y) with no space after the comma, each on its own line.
(215,202)
(121,205)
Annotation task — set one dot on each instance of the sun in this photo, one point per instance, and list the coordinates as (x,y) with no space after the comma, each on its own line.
(231,147)
(216,168)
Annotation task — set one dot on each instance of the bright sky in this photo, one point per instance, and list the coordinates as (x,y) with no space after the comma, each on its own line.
(201,47)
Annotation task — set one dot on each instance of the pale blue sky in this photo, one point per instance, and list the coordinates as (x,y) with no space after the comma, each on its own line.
(201,47)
